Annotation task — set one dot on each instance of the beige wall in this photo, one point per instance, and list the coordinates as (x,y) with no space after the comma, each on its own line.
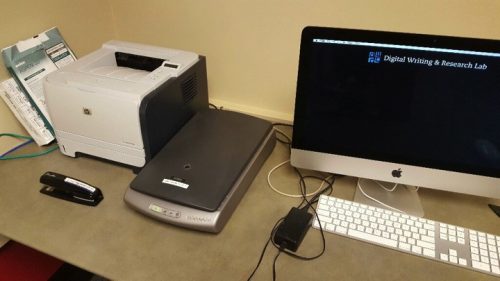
(251,46)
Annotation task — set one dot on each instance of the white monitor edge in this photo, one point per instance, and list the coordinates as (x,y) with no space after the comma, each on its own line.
(410,175)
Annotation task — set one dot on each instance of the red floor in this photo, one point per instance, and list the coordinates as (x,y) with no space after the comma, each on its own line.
(21,263)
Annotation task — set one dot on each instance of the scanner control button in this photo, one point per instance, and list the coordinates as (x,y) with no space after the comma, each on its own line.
(164,211)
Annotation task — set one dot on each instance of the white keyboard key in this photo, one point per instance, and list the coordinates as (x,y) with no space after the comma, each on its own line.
(429,253)
(462,261)
(325,219)
(316,224)
(341,229)
(416,249)
(453,259)
(495,269)
(330,228)
(322,212)
(427,239)
(485,259)
(404,246)
(426,244)
(443,257)
(480,265)
(475,257)
(428,226)
(373,238)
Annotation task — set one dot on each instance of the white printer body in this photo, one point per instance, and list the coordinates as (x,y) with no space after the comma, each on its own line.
(124,101)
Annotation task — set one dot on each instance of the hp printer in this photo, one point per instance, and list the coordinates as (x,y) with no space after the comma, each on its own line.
(124,101)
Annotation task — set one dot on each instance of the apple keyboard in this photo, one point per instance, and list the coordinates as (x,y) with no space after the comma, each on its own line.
(447,243)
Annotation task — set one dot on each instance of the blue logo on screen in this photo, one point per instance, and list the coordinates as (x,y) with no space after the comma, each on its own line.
(374,57)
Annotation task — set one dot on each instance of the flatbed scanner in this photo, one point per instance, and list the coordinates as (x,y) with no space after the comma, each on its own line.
(124,101)
(199,177)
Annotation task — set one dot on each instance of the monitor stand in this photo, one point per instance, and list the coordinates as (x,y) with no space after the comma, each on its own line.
(404,198)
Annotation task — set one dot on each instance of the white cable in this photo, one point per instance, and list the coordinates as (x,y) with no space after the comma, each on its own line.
(393,188)
(373,199)
(287,194)
(387,189)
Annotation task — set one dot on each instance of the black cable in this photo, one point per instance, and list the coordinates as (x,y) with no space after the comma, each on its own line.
(265,247)
(214,106)
(274,264)
(260,260)
(287,141)
(314,199)
(283,124)
(307,204)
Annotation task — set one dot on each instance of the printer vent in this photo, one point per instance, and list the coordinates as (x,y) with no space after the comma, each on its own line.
(189,88)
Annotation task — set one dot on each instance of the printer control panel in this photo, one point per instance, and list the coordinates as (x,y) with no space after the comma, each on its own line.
(166,70)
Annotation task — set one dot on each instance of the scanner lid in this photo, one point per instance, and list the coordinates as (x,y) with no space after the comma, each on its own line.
(204,160)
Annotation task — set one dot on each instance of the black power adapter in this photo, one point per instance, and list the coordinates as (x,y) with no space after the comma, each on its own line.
(292,230)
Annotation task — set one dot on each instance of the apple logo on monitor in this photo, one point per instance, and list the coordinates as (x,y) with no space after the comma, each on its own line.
(397,173)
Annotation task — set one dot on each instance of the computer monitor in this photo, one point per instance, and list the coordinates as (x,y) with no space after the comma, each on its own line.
(419,110)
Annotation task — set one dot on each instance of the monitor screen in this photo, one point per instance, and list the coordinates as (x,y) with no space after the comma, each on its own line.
(408,108)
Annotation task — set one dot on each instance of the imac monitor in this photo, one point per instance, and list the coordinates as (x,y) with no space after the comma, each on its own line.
(419,110)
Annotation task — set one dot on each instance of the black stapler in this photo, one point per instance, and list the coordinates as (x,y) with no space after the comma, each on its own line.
(63,187)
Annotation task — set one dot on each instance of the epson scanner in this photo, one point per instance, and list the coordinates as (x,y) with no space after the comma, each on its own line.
(199,177)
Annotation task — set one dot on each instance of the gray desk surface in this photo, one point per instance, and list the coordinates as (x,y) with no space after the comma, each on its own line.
(116,242)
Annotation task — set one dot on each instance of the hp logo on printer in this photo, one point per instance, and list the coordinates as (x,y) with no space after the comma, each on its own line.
(87,111)
(374,57)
